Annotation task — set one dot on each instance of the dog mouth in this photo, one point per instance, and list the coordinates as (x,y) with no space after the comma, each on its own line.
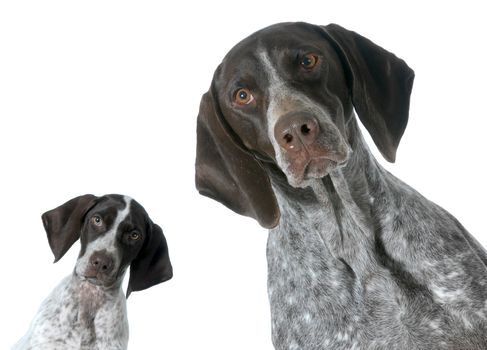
(99,281)
(314,168)
(313,160)
(318,168)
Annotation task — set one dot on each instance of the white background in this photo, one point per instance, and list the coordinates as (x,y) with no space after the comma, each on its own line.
(102,97)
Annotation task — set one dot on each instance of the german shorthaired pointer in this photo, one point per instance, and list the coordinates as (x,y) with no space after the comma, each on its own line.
(357,259)
(88,309)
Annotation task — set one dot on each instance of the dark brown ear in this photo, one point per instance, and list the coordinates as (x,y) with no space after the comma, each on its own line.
(152,265)
(380,85)
(63,224)
(228,173)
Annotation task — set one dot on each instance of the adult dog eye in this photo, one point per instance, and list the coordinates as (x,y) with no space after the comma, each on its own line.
(243,97)
(309,61)
(134,236)
(96,220)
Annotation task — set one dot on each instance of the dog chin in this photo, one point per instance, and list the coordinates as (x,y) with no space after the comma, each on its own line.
(315,169)
(105,283)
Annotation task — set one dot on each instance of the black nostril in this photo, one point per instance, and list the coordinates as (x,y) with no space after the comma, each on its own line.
(288,138)
(294,131)
(101,262)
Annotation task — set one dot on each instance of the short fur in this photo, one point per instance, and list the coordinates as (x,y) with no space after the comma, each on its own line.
(87,310)
(357,259)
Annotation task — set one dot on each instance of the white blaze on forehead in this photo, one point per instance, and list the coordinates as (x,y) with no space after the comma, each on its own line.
(121,215)
(107,241)
(269,68)
(277,90)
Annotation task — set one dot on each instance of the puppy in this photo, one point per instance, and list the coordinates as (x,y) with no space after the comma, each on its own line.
(87,310)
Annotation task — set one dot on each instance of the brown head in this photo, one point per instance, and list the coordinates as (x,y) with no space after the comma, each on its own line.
(285,96)
(115,233)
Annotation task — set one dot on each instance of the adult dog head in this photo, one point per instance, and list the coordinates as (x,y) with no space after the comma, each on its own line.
(284,98)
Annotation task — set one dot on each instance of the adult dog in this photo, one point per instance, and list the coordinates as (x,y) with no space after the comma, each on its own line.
(357,259)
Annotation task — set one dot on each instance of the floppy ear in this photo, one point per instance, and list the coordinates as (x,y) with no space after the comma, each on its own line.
(152,265)
(63,224)
(227,172)
(380,85)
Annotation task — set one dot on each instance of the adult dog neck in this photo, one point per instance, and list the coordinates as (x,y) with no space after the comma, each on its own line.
(341,209)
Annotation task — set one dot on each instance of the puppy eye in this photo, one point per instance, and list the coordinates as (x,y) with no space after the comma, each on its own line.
(309,61)
(243,97)
(134,236)
(96,220)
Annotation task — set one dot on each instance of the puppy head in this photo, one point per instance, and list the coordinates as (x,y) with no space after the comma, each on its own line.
(115,233)
(285,95)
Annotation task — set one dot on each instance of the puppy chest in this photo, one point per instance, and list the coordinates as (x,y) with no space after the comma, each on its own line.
(88,314)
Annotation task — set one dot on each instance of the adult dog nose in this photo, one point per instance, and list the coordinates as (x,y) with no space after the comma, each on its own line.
(101,262)
(295,131)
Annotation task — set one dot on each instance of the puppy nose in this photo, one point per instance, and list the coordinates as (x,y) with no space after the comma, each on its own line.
(292,131)
(101,262)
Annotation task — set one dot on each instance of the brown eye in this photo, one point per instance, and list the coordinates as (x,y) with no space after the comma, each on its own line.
(243,97)
(96,220)
(134,236)
(309,61)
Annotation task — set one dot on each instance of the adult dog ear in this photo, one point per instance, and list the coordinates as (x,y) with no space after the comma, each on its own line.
(152,265)
(380,85)
(227,172)
(63,224)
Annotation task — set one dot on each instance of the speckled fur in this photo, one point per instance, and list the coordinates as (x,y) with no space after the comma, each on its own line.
(360,260)
(82,315)
(79,315)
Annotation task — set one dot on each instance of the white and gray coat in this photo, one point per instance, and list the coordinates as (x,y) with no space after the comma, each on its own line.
(87,310)
(357,259)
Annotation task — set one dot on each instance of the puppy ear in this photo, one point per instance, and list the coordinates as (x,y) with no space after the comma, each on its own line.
(380,85)
(228,173)
(152,265)
(63,224)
